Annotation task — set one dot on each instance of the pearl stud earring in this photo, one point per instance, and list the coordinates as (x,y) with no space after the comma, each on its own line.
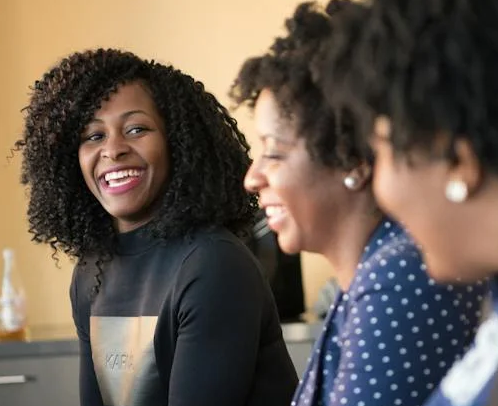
(456,191)
(350,182)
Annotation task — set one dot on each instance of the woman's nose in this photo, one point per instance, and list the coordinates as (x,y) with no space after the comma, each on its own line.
(255,178)
(115,147)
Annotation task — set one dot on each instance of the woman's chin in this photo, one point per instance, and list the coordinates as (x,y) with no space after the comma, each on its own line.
(288,244)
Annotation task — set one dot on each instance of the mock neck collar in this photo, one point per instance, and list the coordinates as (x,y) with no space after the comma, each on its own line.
(134,241)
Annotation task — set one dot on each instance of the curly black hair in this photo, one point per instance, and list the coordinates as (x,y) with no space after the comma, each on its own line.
(287,71)
(208,154)
(429,65)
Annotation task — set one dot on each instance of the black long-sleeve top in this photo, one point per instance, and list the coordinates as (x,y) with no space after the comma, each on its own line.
(182,323)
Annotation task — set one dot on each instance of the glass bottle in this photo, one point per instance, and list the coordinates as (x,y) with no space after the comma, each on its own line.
(12,301)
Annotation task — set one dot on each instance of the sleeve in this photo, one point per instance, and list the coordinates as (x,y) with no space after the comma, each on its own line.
(89,389)
(220,312)
(402,334)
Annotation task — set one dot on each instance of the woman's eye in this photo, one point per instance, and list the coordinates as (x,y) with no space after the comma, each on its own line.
(93,137)
(274,155)
(136,130)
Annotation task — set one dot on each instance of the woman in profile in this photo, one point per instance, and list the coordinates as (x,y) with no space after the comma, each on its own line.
(392,332)
(423,84)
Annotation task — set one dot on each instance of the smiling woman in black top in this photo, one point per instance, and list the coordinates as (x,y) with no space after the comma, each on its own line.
(135,170)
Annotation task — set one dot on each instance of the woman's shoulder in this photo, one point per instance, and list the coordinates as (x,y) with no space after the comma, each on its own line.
(85,268)
(219,254)
(398,266)
(390,254)
(216,235)
(218,241)
(83,280)
(217,261)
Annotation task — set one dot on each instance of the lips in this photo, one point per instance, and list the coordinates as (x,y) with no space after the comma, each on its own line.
(121,180)
(276,215)
(113,176)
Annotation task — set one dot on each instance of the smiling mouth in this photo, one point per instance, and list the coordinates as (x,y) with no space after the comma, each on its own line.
(120,178)
(271,211)
(275,216)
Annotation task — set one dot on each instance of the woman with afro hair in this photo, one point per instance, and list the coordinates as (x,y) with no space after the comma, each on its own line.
(137,172)
(423,83)
(392,333)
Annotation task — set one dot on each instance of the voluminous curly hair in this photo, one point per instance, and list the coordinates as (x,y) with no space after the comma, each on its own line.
(208,155)
(286,70)
(429,65)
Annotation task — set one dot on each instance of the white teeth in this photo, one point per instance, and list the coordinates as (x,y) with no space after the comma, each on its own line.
(122,174)
(119,182)
(274,210)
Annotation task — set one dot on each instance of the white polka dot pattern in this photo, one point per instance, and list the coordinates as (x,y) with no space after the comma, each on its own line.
(391,338)
(471,379)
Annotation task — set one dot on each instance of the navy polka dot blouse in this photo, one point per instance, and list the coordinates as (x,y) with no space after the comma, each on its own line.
(393,335)
(472,380)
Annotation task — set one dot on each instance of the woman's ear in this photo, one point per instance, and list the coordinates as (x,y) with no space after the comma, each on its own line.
(465,175)
(358,178)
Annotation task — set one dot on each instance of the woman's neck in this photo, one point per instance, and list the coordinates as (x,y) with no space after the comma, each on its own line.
(350,238)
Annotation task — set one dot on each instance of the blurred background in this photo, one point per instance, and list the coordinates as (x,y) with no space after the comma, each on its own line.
(206,39)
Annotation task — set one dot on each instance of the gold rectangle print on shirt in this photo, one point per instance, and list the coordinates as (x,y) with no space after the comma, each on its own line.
(124,360)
